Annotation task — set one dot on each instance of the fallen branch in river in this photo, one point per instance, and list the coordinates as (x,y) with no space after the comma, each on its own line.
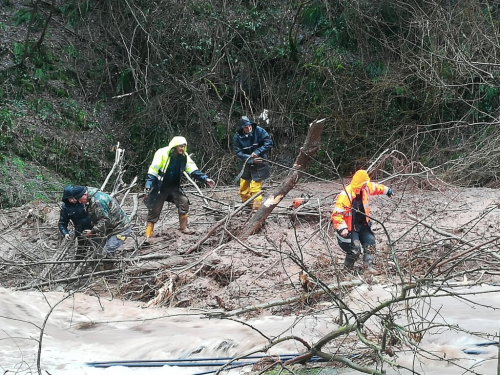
(287,301)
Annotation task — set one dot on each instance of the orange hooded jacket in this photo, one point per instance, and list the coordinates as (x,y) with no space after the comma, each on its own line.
(342,214)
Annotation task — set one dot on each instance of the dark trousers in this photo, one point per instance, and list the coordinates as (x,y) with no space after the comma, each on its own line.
(179,199)
(355,240)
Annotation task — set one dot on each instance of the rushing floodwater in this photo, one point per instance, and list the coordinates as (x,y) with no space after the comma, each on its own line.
(86,329)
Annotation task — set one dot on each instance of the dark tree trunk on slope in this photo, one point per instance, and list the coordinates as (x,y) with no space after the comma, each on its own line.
(26,52)
(44,31)
(309,149)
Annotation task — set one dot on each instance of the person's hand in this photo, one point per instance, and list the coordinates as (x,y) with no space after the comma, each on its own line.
(210,182)
(258,160)
(254,155)
(67,236)
(390,193)
(344,232)
(87,232)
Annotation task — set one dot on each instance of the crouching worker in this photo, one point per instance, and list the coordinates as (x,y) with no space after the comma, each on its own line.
(110,224)
(72,210)
(163,183)
(351,220)
(251,144)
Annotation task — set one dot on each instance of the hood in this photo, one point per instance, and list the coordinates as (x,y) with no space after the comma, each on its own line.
(67,193)
(359,179)
(177,141)
(244,121)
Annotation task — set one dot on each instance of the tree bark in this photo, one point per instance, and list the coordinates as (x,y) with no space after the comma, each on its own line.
(44,31)
(26,52)
(309,149)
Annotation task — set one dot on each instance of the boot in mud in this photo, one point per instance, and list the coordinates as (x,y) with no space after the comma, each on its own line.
(368,265)
(349,261)
(256,205)
(149,232)
(183,222)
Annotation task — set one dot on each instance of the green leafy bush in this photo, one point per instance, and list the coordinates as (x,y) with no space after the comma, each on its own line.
(23,16)
(312,15)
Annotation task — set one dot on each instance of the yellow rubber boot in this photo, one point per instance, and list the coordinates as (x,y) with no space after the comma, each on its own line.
(149,230)
(255,187)
(256,204)
(244,190)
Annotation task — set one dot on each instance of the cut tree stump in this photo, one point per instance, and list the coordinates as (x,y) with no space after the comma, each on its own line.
(309,149)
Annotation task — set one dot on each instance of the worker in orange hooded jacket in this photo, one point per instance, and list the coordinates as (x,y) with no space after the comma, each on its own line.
(351,219)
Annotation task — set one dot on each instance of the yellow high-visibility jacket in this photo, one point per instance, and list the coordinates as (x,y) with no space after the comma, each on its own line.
(342,212)
(161,160)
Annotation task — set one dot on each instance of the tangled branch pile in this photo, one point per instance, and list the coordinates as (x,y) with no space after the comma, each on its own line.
(433,244)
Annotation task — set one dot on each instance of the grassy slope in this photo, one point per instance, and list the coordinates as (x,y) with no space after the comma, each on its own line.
(53,130)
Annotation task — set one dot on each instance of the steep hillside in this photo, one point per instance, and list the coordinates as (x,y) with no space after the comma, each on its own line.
(57,125)
(78,76)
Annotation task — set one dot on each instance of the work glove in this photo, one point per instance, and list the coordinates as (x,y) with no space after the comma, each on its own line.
(67,237)
(390,193)
(210,182)
(147,191)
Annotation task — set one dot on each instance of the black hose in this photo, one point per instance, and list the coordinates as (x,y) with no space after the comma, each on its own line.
(193,359)
(193,362)
(487,343)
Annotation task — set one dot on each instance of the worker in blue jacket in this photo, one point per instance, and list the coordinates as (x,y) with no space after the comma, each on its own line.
(251,145)
(74,212)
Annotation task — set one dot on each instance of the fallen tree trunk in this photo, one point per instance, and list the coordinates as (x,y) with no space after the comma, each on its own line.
(219,224)
(309,149)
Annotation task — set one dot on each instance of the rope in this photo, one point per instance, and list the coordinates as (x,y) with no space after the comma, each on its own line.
(298,170)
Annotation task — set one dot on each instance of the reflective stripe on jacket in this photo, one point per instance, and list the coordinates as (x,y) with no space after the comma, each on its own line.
(257,141)
(342,213)
(161,161)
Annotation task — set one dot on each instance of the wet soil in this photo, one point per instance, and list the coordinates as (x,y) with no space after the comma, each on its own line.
(227,271)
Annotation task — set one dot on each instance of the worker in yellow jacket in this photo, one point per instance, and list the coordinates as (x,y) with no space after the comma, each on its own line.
(163,183)
(351,219)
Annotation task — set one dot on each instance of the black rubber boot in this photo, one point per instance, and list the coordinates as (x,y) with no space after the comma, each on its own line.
(351,258)
(349,262)
(368,265)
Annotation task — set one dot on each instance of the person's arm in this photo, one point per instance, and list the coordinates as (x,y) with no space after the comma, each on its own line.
(264,140)
(101,211)
(238,150)
(379,189)
(151,182)
(339,212)
(193,172)
(63,221)
(155,169)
